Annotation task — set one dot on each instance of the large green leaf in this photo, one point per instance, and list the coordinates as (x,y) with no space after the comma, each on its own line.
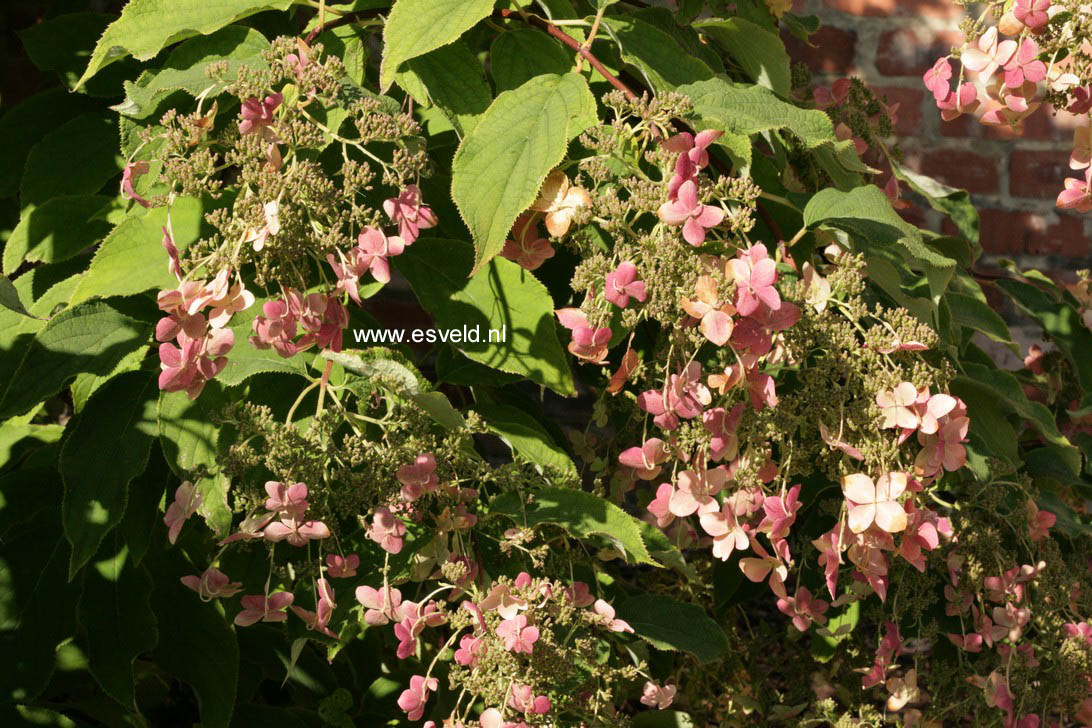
(37,601)
(759,52)
(90,338)
(63,44)
(24,124)
(117,619)
(75,159)
(196,642)
(581,514)
(519,55)
(118,419)
(668,624)
(415,27)
(1061,323)
(656,53)
(233,47)
(954,203)
(867,215)
(974,314)
(1006,388)
(526,436)
(500,166)
(132,259)
(454,80)
(187,429)
(503,298)
(147,26)
(56,230)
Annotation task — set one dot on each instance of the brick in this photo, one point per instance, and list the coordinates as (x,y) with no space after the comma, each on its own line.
(976,173)
(1038,174)
(1004,232)
(884,8)
(835,50)
(909,119)
(912,51)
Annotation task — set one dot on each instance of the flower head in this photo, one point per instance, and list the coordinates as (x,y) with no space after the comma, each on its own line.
(875,502)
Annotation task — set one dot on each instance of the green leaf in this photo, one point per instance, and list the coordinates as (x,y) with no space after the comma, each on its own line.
(866,214)
(148,26)
(1006,388)
(455,81)
(89,338)
(132,259)
(214,506)
(56,230)
(75,159)
(503,298)
(662,719)
(954,203)
(988,422)
(972,313)
(24,124)
(759,52)
(9,297)
(117,618)
(526,436)
(86,383)
(519,55)
(581,514)
(186,428)
(184,69)
(37,601)
(118,419)
(838,628)
(196,643)
(665,63)
(63,44)
(745,109)
(415,27)
(500,166)
(1061,323)
(668,624)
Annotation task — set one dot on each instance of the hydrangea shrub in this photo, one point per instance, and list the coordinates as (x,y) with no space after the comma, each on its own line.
(741,455)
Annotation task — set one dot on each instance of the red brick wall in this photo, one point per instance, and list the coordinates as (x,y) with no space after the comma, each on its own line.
(1014,181)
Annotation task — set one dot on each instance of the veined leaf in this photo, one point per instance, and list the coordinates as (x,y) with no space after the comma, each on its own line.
(953,202)
(75,159)
(519,55)
(56,230)
(245,360)
(525,436)
(119,419)
(581,514)
(186,429)
(668,624)
(500,166)
(502,298)
(666,64)
(454,80)
(759,52)
(148,26)
(972,313)
(747,109)
(415,27)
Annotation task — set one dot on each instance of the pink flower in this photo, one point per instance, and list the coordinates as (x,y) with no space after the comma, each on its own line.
(517,635)
(374,248)
(1077,194)
(470,649)
(830,556)
(606,614)
(695,148)
(622,283)
(381,605)
(186,501)
(1039,522)
(721,424)
(287,499)
(728,535)
(294,532)
(1081,102)
(387,530)
(413,699)
(683,396)
(933,409)
(660,507)
(964,100)
(250,528)
(646,459)
(897,407)
(319,620)
(757,569)
(780,513)
(128,177)
(1025,66)
(875,502)
(258,114)
(186,368)
(173,264)
(212,584)
(1082,148)
(411,216)
(921,533)
(687,211)
(658,697)
(945,448)
(715,316)
(418,477)
(989,55)
(258,236)
(755,274)
(579,594)
(587,342)
(696,490)
(523,699)
(936,78)
(342,567)
(237,298)
(1032,13)
(262,608)
(501,599)
(803,608)
(527,248)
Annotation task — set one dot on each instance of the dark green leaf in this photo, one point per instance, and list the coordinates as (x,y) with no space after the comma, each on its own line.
(1061,323)
(668,624)
(56,230)
(759,52)
(519,55)
(76,159)
(455,81)
(656,53)
(526,436)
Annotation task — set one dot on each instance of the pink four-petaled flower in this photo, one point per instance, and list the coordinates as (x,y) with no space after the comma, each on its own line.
(687,211)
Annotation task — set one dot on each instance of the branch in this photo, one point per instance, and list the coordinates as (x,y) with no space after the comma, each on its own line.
(347,19)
